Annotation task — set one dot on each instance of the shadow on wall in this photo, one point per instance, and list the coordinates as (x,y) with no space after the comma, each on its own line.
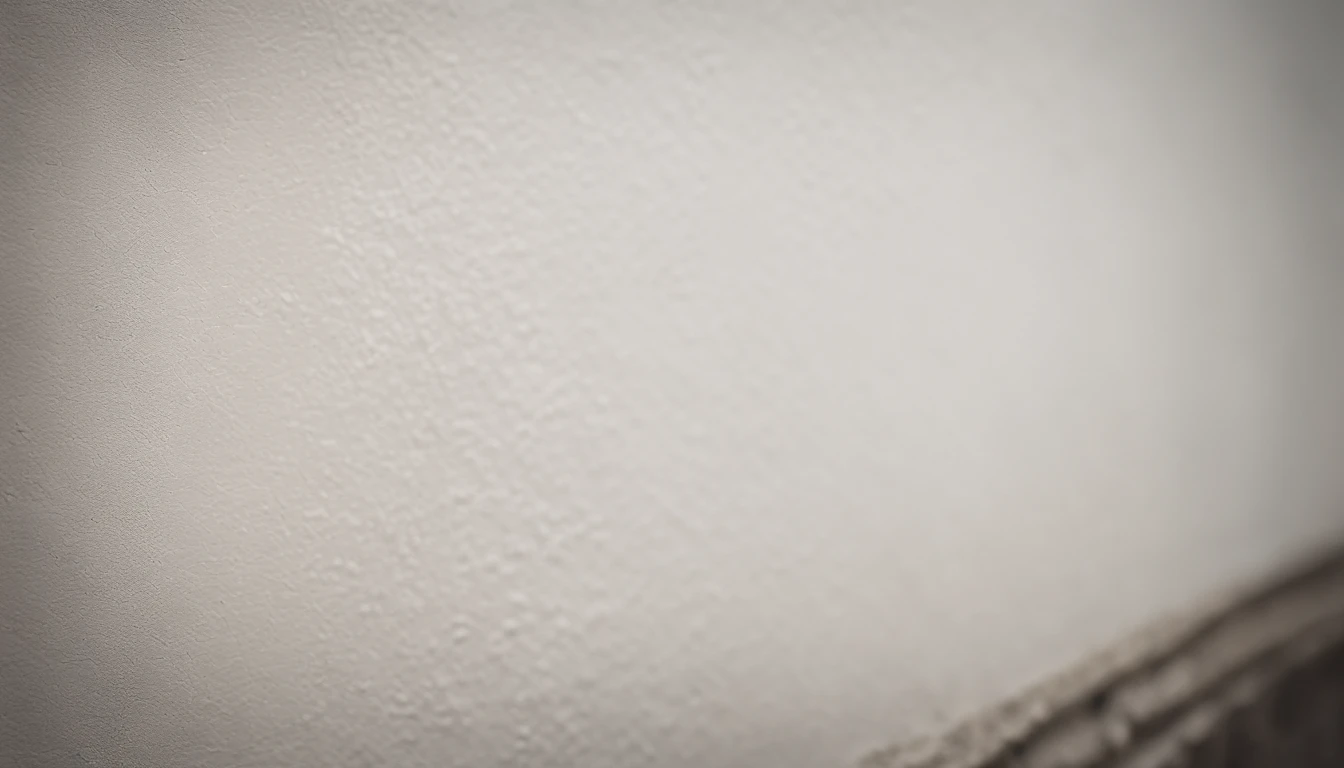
(83,636)
(32,575)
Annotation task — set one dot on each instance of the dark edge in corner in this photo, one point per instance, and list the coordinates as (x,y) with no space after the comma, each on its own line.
(1163,693)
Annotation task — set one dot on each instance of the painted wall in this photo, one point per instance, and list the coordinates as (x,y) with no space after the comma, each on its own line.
(641,384)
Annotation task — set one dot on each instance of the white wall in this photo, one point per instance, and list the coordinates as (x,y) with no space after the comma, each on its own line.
(641,384)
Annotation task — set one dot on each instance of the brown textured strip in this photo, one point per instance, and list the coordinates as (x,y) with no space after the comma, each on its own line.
(1162,697)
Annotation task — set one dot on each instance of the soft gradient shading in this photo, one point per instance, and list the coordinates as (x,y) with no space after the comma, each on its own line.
(641,384)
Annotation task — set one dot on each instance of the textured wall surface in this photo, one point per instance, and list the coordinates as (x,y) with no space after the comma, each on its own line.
(640,384)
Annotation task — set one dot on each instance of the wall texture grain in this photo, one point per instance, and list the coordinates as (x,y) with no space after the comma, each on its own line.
(641,384)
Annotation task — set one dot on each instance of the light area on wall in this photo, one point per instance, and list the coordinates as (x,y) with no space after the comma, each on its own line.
(640,385)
